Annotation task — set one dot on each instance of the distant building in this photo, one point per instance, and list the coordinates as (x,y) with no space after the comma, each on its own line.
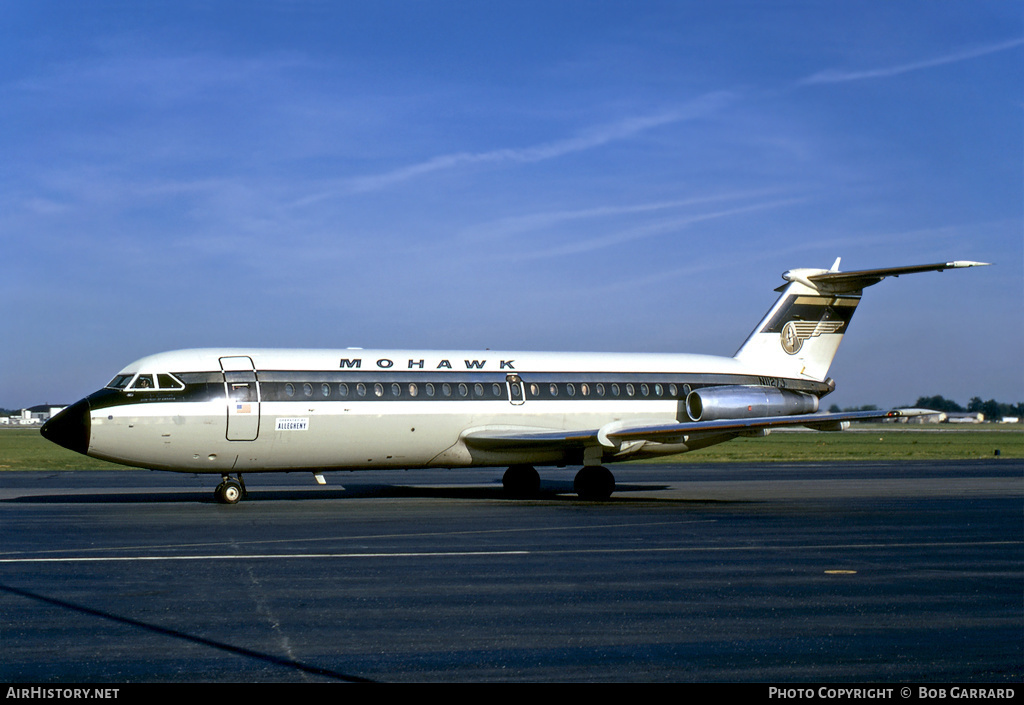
(934,417)
(966,417)
(32,416)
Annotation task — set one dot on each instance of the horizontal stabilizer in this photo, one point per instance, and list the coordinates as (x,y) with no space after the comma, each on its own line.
(848,282)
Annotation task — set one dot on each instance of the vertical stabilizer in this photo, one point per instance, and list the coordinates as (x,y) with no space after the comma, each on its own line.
(800,335)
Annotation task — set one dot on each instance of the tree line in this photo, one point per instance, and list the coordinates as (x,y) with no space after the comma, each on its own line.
(992,409)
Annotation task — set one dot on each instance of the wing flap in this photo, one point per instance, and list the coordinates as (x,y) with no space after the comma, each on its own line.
(525,438)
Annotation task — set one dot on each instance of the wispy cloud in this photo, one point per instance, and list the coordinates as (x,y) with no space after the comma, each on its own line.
(840,76)
(589,139)
(646,231)
(515,225)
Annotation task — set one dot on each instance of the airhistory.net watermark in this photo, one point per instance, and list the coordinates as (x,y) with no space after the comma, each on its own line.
(44,693)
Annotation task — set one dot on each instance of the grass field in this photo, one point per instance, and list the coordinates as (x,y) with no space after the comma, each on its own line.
(25,449)
(868,442)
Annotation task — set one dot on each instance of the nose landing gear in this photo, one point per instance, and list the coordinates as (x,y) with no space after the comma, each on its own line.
(230,490)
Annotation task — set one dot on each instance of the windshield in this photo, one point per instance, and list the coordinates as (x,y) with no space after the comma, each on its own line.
(145,381)
(120,382)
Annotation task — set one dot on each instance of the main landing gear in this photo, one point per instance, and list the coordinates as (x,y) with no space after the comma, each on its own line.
(593,482)
(230,490)
(521,481)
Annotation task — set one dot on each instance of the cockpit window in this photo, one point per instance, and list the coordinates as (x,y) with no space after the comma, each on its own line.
(151,381)
(144,382)
(147,381)
(160,381)
(169,382)
(120,382)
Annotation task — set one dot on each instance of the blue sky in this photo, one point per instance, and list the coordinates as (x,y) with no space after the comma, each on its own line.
(620,176)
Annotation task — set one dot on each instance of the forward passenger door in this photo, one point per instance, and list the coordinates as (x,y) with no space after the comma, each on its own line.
(243,398)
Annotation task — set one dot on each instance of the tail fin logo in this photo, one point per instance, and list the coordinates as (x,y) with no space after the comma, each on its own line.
(794,333)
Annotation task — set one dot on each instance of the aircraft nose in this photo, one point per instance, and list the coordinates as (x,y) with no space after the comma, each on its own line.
(70,428)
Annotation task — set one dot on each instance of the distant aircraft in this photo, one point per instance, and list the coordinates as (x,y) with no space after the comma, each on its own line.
(235,411)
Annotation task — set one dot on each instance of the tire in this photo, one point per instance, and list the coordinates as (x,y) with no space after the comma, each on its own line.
(594,483)
(230,492)
(521,481)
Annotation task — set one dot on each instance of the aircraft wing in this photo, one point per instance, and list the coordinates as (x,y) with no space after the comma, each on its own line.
(611,436)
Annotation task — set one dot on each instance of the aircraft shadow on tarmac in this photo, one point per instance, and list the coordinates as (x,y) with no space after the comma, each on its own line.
(549,492)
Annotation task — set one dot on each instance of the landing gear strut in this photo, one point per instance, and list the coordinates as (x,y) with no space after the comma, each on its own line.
(230,490)
(594,482)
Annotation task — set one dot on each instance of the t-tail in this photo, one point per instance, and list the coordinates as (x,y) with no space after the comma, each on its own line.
(800,335)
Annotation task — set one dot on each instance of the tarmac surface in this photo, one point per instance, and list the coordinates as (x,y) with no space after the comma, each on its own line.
(770,573)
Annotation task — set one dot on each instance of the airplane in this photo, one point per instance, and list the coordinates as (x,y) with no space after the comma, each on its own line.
(239,411)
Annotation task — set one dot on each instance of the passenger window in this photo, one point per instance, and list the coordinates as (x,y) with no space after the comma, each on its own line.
(343,390)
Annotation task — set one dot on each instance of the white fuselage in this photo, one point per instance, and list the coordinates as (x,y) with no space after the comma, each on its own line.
(245,410)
